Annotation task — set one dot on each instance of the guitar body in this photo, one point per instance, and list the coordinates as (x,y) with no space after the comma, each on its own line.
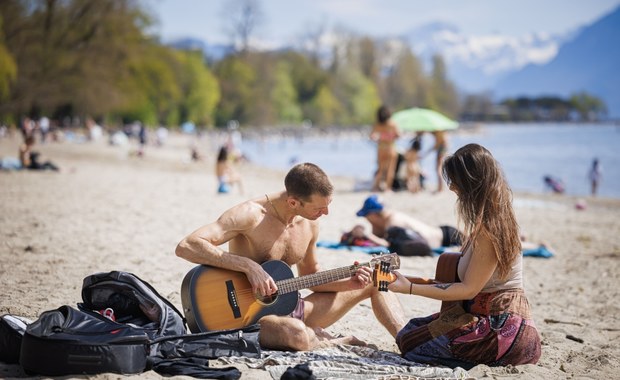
(220,299)
(447,272)
(447,267)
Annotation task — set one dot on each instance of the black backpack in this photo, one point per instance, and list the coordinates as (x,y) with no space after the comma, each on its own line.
(124,326)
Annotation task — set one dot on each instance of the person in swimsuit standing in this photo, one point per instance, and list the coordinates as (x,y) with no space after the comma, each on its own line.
(385,133)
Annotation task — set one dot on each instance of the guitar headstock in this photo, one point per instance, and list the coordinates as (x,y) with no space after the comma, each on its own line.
(392,260)
(382,274)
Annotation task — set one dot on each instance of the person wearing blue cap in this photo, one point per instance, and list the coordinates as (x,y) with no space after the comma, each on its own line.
(407,236)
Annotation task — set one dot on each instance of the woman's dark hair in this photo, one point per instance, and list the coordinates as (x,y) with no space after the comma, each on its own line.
(383,114)
(223,154)
(484,201)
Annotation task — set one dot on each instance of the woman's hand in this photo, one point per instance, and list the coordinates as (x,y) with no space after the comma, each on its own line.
(400,284)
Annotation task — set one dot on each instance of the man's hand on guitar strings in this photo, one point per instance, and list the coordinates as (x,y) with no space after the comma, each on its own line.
(262,283)
(362,277)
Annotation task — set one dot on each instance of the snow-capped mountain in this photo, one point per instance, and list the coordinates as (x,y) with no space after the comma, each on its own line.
(477,62)
(589,62)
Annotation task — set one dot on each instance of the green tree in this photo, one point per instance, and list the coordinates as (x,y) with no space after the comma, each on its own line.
(284,96)
(8,68)
(152,90)
(324,108)
(71,52)
(306,75)
(369,59)
(358,95)
(588,106)
(200,91)
(236,79)
(443,95)
(405,85)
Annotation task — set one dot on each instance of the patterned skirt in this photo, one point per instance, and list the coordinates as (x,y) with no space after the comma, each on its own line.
(495,329)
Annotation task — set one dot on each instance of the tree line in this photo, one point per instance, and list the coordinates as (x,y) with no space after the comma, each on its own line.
(99,58)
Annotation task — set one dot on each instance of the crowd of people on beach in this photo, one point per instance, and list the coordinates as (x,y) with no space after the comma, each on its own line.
(385,133)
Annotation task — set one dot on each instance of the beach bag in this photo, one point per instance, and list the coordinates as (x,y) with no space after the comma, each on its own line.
(12,329)
(69,341)
(406,242)
(124,326)
(132,300)
(111,331)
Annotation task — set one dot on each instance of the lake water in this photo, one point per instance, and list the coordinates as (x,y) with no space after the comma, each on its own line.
(527,152)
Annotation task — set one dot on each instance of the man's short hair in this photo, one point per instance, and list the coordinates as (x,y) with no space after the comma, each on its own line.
(305,180)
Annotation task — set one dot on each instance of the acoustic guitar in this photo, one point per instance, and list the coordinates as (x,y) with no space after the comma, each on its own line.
(445,272)
(219,299)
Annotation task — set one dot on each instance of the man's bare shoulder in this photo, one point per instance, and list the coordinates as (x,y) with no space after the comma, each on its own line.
(244,215)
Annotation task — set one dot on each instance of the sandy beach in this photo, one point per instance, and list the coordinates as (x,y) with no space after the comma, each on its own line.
(110,210)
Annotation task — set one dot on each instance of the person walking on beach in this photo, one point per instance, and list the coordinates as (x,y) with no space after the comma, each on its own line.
(595,174)
(284,226)
(385,133)
(493,324)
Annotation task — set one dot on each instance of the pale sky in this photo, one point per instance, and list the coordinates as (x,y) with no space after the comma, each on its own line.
(286,20)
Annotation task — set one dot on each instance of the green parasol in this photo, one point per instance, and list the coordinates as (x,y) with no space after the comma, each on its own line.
(422,120)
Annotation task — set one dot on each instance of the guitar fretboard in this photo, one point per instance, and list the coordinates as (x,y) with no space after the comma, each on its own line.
(295,284)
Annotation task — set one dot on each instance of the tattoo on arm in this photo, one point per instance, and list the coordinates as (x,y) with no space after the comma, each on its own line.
(443,286)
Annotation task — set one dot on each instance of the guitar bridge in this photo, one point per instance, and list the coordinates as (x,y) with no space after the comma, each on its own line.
(232,299)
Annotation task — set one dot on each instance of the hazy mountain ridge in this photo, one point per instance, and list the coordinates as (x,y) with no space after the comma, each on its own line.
(535,64)
(491,53)
(588,63)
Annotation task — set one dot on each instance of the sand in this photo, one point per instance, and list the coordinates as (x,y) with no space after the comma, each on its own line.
(110,210)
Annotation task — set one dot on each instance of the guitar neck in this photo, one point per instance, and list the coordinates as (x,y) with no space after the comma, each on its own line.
(316,279)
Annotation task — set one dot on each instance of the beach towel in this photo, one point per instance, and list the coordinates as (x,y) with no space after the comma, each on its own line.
(338,245)
(347,362)
(541,251)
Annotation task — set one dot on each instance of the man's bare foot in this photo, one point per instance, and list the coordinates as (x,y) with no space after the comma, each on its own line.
(328,340)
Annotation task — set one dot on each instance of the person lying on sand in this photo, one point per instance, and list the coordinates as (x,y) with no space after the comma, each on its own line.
(283,226)
(396,227)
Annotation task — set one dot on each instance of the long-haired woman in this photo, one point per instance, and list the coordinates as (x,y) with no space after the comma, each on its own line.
(492,322)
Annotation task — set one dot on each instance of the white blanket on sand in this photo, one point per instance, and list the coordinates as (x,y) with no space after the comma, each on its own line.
(348,362)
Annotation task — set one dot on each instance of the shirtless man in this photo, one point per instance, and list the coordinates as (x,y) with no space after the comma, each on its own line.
(284,226)
(382,218)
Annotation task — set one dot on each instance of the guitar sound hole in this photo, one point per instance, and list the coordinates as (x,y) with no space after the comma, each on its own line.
(268,300)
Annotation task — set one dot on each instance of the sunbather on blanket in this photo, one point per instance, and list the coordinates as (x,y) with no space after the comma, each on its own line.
(404,234)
